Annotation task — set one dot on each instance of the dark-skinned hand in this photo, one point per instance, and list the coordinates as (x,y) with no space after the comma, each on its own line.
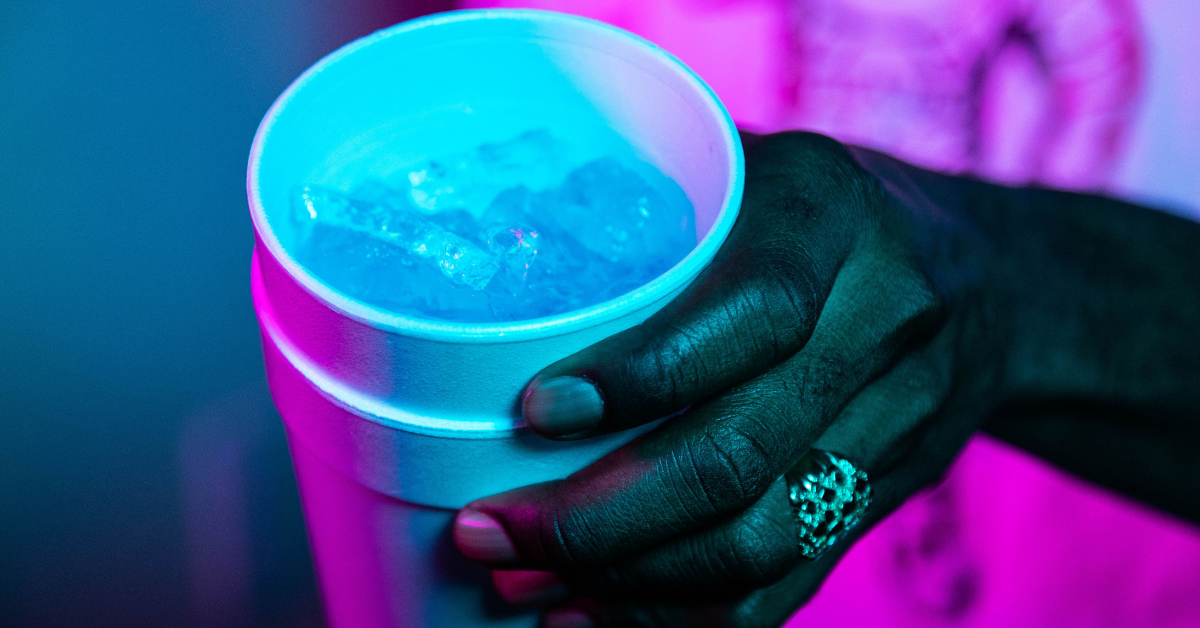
(848,311)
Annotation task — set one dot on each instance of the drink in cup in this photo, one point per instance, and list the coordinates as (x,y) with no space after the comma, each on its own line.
(442,209)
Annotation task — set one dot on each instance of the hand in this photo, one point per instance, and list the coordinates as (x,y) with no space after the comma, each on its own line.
(842,315)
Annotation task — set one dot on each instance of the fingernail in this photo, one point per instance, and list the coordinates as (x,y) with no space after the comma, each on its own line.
(529,587)
(480,537)
(566,619)
(563,405)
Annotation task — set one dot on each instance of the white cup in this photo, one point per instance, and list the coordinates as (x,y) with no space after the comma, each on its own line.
(394,421)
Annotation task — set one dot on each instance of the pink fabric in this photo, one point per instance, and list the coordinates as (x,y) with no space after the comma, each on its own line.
(1008,541)
(1018,90)
(1015,90)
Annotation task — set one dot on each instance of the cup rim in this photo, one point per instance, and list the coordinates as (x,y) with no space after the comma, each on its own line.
(665,284)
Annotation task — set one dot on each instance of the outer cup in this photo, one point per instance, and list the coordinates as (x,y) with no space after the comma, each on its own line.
(394,421)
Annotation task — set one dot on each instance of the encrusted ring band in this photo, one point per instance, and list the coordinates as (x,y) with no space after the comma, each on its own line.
(829,496)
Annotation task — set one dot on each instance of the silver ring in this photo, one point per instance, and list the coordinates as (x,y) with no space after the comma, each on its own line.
(829,496)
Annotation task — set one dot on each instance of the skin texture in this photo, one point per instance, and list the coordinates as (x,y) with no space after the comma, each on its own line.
(872,309)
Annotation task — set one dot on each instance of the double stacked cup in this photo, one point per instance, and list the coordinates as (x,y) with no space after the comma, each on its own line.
(394,422)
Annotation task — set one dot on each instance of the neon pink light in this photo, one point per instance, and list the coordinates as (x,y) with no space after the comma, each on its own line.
(1015,90)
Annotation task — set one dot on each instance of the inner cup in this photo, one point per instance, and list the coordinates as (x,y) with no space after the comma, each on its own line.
(449,83)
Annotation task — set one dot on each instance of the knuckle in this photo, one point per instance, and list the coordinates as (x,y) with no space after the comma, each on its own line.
(679,359)
(791,288)
(577,537)
(823,167)
(681,356)
(759,311)
(924,297)
(654,372)
(799,149)
(729,465)
(822,376)
(771,314)
(919,307)
(565,539)
(763,550)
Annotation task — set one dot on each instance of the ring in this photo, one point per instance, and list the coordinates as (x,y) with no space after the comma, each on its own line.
(829,496)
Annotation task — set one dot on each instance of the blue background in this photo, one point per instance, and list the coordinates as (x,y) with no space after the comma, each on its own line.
(125,313)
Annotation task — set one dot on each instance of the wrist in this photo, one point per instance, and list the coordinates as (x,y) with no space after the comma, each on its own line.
(1069,296)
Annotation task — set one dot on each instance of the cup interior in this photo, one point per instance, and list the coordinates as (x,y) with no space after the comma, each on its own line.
(448,83)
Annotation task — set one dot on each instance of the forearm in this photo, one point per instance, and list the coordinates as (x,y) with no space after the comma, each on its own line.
(1103,299)
(1103,374)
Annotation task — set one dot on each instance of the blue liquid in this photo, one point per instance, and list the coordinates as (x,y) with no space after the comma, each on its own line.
(506,232)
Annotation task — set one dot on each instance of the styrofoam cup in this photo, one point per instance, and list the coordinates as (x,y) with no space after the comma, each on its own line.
(396,421)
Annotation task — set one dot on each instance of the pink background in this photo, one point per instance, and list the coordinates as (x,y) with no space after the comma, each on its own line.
(1079,94)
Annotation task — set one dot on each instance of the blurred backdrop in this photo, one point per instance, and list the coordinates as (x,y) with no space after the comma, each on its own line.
(144,477)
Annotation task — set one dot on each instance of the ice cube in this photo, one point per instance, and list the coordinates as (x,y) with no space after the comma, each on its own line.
(510,205)
(470,180)
(616,214)
(516,246)
(500,233)
(460,260)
